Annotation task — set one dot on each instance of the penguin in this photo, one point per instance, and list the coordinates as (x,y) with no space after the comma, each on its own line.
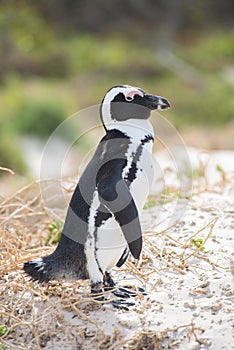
(102,224)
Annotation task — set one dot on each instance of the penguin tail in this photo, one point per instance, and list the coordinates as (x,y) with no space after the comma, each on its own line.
(66,262)
(42,269)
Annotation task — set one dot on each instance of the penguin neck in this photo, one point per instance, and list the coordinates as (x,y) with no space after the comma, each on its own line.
(133,128)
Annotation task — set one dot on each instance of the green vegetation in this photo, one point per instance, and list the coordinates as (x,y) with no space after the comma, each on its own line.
(31,106)
(3,330)
(212,52)
(49,70)
(198,243)
(10,155)
(222,173)
(55,231)
(150,204)
(41,116)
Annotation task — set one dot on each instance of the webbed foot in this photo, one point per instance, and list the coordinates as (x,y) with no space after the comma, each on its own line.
(97,291)
(108,282)
(128,292)
(122,304)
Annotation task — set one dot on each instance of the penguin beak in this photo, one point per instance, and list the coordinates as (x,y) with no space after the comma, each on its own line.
(156,102)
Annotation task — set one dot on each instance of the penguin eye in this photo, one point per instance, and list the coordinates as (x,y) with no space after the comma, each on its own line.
(130,96)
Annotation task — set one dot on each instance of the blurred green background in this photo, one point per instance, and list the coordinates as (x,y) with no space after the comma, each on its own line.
(59,56)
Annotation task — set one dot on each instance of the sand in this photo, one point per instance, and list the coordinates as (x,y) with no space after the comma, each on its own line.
(187,270)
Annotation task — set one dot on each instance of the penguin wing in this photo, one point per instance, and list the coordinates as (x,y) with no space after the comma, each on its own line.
(115,196)
(123,257)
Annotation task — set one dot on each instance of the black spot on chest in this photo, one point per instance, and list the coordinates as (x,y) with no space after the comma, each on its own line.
(131,175)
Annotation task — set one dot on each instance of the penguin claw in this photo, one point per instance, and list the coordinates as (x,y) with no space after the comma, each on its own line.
(142,291)
(97,294)
(139,290)
(100,298)
(120,294)
(109,288)
(122,304)
(124,293)
(127,292)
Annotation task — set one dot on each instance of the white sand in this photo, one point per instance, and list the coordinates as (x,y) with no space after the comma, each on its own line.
(190,301)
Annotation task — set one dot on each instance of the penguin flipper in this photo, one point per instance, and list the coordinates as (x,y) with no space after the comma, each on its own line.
(123,257)
(115,196)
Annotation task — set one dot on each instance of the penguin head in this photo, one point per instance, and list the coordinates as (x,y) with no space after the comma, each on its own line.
(125,102)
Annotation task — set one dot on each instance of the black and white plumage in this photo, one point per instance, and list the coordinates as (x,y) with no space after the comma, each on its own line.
(102,223)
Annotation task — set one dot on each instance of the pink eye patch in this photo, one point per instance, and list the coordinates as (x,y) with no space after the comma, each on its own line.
(130,96)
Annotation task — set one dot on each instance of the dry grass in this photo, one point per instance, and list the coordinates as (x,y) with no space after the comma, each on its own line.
(36,315)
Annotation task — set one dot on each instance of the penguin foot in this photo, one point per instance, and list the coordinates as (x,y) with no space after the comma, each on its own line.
(138,290)
(97,291)
(122,304)
(124,293)
(99,298)
(108,282)
(127,292)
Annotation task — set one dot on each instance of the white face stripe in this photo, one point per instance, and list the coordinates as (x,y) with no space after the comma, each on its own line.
(127,90)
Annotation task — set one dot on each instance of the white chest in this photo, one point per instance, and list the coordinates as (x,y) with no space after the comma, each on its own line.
(144,175)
